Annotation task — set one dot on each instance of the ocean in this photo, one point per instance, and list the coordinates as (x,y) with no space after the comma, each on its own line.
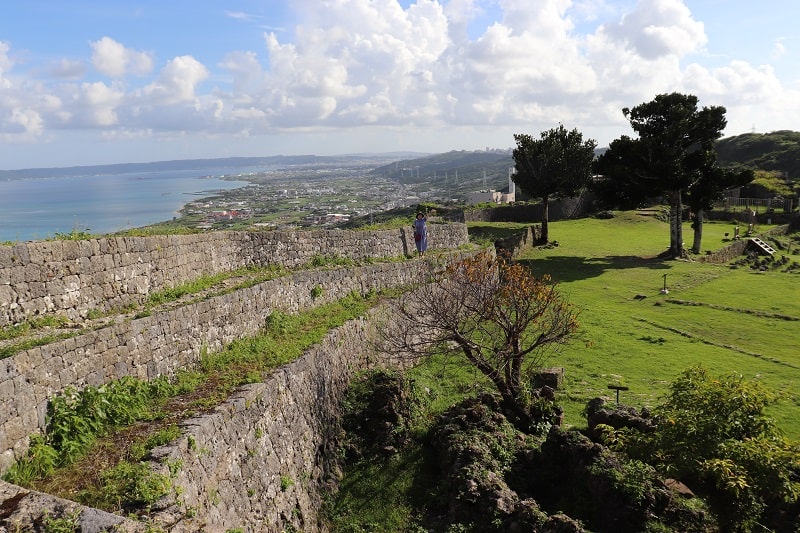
(38,208)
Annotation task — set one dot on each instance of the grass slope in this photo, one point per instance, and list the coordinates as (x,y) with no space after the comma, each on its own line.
(740,321)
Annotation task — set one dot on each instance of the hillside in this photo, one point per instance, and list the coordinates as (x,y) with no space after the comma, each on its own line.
(463,166)
(226,163)
(778,150)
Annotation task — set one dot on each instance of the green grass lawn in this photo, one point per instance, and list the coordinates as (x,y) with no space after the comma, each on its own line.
(633,335)
(630,334)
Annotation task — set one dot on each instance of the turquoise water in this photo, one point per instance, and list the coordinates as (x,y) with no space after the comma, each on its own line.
(33,209)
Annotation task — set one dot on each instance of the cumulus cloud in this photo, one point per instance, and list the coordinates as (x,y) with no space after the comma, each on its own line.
(115,60)
(5,65)
(20,120)
(658,28)
(176,82)
(99,102)
(365,63)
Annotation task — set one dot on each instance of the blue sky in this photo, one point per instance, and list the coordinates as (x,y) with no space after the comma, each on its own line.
(106,81)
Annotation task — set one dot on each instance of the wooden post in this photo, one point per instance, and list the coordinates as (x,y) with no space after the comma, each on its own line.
(618,388)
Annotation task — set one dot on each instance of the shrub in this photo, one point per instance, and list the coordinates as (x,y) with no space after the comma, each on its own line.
(713,432)
(76,418)
(133,485)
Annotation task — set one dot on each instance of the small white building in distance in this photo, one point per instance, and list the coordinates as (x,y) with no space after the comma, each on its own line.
(493,196)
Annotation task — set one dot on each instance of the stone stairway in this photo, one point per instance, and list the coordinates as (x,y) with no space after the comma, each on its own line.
(762,246)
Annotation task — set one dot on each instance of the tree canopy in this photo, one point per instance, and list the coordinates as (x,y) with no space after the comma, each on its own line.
(674,152)
(558,164)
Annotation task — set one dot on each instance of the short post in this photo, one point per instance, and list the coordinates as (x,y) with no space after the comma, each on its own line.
(618,388)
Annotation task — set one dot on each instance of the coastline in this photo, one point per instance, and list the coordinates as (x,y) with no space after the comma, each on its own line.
(45,208)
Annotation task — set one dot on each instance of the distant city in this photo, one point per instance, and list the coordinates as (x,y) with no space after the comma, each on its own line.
(280,192)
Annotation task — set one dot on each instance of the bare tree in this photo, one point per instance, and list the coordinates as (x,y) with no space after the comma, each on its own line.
(502,318)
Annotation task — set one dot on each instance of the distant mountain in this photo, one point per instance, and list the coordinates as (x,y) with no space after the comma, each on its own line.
(779,150)
(462,166)
(189,164)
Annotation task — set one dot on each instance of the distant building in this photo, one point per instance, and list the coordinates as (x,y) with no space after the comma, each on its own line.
(496,197)
(231,214)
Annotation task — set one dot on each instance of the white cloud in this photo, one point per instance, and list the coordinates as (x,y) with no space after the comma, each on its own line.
(68,69)
(21,122)
(99,102)
(21,103)
(114,60)
(736,83)
(658,28)
(779,50)
(5,65)
(366,64)
(176,82)
(752,96)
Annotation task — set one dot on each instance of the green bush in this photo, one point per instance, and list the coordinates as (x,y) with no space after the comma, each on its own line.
(39,462)
(76,418)
(713,433)
(133,485)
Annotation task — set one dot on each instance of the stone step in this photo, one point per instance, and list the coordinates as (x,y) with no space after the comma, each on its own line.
(762,245)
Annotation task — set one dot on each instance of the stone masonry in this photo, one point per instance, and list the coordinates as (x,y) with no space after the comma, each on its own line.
(258,460)
(75,278)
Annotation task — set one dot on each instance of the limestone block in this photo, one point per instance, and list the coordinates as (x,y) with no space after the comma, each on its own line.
(8,296)
(20,254)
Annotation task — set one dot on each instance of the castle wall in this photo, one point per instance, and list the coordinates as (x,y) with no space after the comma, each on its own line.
(166,341)
(75,278)
(261,461)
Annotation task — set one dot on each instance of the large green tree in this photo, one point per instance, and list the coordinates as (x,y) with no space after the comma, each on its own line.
(674,149)
(708,190)
(557,165)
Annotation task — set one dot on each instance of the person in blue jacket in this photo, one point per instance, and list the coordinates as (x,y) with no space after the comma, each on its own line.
(421,234)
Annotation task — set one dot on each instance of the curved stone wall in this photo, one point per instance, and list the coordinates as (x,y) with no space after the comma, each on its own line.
(262,460)
(74,278)
(164,342)
(259,462)
(264,453)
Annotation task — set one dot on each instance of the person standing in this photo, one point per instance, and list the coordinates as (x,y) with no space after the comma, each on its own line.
(421,233)
(751,219)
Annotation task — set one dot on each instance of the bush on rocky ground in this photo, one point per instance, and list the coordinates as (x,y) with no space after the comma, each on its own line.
(490,476)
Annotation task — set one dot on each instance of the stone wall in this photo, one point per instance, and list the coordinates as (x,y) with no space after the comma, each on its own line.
(260,462)
(74,278)
(516,244)
(559,209)
(164,342)
(24,510)
(738,247)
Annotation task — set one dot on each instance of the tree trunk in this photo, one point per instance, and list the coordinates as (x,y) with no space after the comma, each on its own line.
(675,224)
(697,226)
(545,216)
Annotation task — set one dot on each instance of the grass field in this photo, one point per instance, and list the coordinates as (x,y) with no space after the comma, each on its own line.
(730,320)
